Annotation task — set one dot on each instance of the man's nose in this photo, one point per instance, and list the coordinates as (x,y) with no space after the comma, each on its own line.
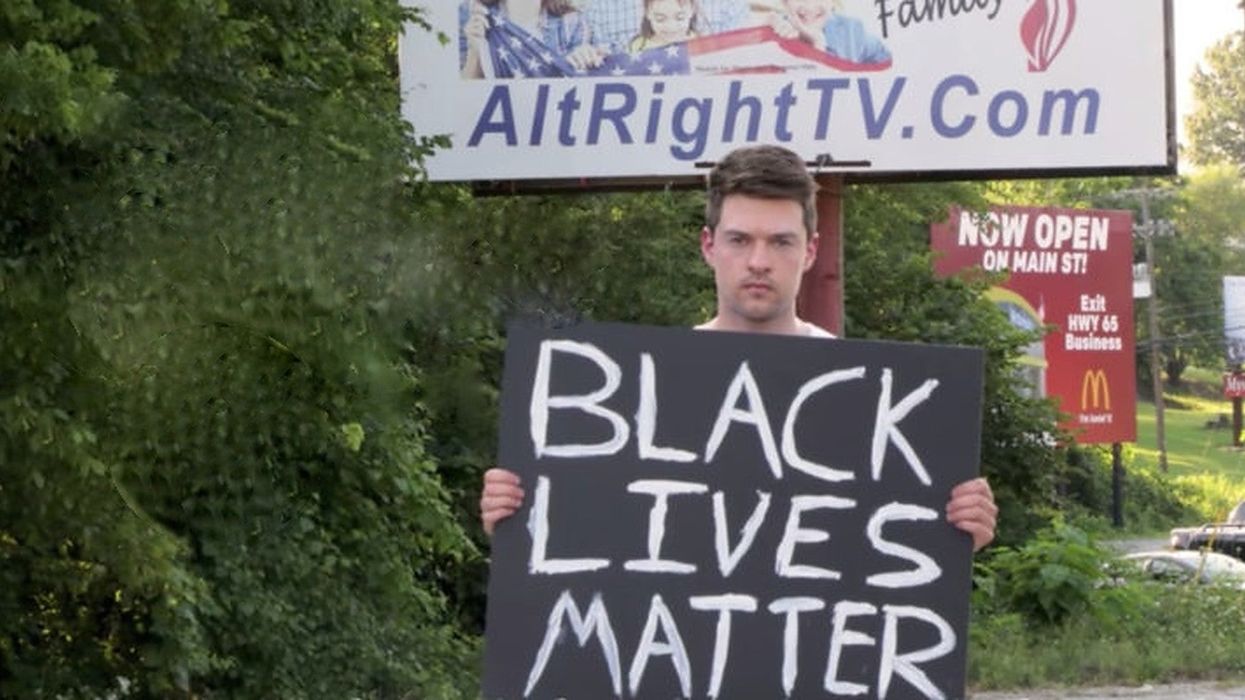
(758,258)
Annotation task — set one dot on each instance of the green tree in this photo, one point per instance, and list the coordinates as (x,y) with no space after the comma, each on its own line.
(1189,265)
(892,294)
(1217,125)
(214,472)
(1086,192)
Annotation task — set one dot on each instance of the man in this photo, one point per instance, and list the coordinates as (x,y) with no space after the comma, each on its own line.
(760,237)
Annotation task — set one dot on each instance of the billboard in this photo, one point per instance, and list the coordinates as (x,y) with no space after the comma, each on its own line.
(1071,269)
(1234,385)
(635,89)
(1234,319)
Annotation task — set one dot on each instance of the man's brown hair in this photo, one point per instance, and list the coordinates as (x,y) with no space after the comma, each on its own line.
(766,172)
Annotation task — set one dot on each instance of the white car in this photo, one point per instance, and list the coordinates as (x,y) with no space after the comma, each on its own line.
(1191,565)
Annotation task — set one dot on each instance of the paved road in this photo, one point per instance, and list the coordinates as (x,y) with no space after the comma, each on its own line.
(1176,691)
(1127,546)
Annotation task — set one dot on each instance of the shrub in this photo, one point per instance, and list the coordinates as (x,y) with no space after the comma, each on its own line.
(1060,574)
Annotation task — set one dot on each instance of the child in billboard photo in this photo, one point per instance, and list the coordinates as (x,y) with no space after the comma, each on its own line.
(553,30)
(665,22)
(618,24)
(822,24)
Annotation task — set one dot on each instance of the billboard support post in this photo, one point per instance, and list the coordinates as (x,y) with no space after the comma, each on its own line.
(1236,421)
(821,290)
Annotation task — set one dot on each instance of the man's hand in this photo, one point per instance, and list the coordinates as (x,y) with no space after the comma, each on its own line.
(500,498)
(476,24)
(972,509)
(789,27)
(782,26)
(586,56)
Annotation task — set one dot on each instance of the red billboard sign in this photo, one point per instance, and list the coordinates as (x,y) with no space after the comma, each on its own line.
(1234,385)
(1070,269)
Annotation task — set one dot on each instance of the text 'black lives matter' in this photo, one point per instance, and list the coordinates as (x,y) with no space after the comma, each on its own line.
(736,516)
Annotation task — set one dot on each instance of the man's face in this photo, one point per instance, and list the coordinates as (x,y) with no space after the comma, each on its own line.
(758,253)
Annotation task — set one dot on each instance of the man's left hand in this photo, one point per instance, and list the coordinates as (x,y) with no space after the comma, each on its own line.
(972,509)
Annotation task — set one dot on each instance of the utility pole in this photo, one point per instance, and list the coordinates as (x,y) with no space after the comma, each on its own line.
(1147,230)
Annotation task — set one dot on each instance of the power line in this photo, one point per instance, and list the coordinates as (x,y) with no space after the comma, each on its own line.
(1192,305)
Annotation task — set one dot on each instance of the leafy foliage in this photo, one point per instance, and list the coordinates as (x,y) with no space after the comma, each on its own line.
(1152,499)
(214,472)
(1216,127)
(1057,576)
(891,293)
(1188,283)
(1190,265)
(248,361)
(1174,633)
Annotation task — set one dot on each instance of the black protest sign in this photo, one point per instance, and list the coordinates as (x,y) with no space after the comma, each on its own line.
(723,515)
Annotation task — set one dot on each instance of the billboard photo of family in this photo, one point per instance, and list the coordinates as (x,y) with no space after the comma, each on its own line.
(502,39)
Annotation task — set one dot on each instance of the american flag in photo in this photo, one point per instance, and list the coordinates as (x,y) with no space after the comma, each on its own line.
(514,53)
(748,50)
(672,59)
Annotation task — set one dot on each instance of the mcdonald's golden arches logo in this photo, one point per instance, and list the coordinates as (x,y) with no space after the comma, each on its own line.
(1095,392)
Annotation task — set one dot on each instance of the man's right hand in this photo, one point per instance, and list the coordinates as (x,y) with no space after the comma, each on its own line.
(476,24)
(500,498)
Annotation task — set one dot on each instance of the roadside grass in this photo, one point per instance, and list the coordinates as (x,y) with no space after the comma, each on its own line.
(1202,462)
(1179,633)
(1184,632)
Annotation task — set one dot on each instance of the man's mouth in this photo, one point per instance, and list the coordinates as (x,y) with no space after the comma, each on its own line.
(757,287)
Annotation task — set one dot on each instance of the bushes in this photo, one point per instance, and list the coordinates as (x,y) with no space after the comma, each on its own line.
(892,293)
(1210,497)
(1184,633)
(1059,610)
(1152,500)
(1056,576)
(214,466)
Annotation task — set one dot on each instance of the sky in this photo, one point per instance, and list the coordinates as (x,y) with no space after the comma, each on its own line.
(1198,24)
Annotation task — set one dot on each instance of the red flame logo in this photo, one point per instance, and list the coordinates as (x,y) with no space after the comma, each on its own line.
(1045,29)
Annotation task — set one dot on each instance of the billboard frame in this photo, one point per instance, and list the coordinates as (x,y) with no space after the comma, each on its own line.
(858,172)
